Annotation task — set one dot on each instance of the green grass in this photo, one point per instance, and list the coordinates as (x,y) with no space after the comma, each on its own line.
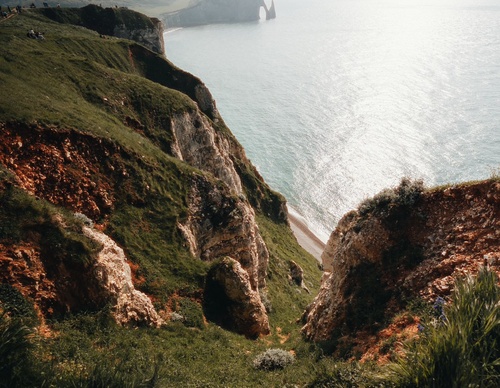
(74,79)
(287,298)
(91,351)
(23,218)
(14,348)
(463,349)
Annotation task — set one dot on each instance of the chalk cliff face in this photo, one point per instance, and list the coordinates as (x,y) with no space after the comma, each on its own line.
(215,11)
(113,278)
(157,159)
(220,224)
(197,142)
(393,249)
(150,35)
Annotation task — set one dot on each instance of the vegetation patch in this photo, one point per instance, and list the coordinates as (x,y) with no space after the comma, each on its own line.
(273,359)
(191,313)
(389,200)
(14,348)
(12,302)
(460,347)
(24,218)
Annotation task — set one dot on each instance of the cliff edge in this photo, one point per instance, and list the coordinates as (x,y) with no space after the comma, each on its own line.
(405,243)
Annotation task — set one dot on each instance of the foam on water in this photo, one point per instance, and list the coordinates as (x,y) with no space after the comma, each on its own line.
(337,99)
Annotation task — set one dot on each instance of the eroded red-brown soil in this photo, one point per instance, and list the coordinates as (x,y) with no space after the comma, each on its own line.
(63,166)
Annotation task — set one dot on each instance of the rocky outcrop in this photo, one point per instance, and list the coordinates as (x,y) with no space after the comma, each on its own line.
(58,288)
(271,11)
(149,35)
(157,69)
(392,250)
(114,286)
(214,11)
(220,224)
(196,142)
(230,300)
(297,275)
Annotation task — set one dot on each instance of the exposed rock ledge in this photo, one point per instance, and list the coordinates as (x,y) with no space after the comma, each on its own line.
(231,302)
(197,143)
(59,286)
(220,224)
(113,279)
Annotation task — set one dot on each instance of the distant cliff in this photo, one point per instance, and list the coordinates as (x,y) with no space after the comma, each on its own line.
(216,11)
(119,22)
(403,244)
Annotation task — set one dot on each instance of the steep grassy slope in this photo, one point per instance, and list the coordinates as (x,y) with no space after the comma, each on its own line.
(85,125)
(95,93)
(74,82)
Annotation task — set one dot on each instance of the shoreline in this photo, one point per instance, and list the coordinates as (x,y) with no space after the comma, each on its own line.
(305,237)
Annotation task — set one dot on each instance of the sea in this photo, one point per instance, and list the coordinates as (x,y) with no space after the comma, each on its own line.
(335,100)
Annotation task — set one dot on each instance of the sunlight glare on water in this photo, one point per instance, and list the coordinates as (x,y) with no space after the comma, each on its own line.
(337,99)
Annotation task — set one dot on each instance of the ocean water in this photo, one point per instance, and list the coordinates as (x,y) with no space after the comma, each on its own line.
(335,100)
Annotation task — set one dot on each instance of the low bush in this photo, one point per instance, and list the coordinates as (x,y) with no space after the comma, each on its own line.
(273,359)
(348,375)
(15,304)
(405,195)
(84,219)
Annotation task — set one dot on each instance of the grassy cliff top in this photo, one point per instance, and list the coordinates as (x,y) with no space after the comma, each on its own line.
(149,7)
(108,103)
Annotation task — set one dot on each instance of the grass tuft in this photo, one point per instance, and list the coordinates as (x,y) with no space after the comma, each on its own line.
(461,348)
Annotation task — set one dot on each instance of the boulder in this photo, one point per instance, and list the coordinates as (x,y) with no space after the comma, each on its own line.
(113,284)
(230,301)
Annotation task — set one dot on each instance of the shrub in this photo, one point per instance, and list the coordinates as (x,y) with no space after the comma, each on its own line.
(404,195)
(15,304)
(273,359)
(463,350)
(348,375)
